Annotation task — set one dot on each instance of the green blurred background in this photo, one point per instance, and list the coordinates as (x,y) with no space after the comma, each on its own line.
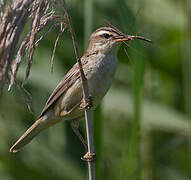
(142,127)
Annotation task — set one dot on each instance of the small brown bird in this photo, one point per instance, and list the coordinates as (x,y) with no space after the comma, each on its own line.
(66,101)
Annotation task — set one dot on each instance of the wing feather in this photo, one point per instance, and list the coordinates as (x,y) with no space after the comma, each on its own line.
(68,80)
(61,88)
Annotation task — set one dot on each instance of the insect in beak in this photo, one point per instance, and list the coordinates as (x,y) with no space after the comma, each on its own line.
(124,37)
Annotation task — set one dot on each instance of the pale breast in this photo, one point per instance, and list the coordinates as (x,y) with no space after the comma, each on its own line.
(100,76)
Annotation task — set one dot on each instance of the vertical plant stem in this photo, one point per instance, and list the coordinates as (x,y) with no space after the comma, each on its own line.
(146,133)
(88,19)
(146,157)
(98,124)
(85,89)
(134,147)
(90,139)
(186,64)
(131,166)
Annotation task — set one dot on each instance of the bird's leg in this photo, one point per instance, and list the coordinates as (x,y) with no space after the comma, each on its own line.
(75,128)
(87,104)
(88,156)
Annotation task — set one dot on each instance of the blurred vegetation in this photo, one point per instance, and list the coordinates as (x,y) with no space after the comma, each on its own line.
(143,126)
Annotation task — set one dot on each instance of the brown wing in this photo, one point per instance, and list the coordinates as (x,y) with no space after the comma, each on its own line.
(68,80)
(62,87)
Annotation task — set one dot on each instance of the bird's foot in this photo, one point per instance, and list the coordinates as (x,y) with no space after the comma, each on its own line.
(87,104)
(89,157)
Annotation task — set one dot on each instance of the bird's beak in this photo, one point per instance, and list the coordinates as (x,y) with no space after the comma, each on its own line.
(122,38)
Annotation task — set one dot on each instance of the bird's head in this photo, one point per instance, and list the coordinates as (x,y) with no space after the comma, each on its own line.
(107,40)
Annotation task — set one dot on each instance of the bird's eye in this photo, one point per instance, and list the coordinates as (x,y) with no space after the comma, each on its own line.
(106,36)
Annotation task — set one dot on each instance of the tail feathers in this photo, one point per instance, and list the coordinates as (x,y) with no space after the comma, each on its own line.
(27,136)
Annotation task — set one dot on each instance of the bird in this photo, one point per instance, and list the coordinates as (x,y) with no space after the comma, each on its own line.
(99,64)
